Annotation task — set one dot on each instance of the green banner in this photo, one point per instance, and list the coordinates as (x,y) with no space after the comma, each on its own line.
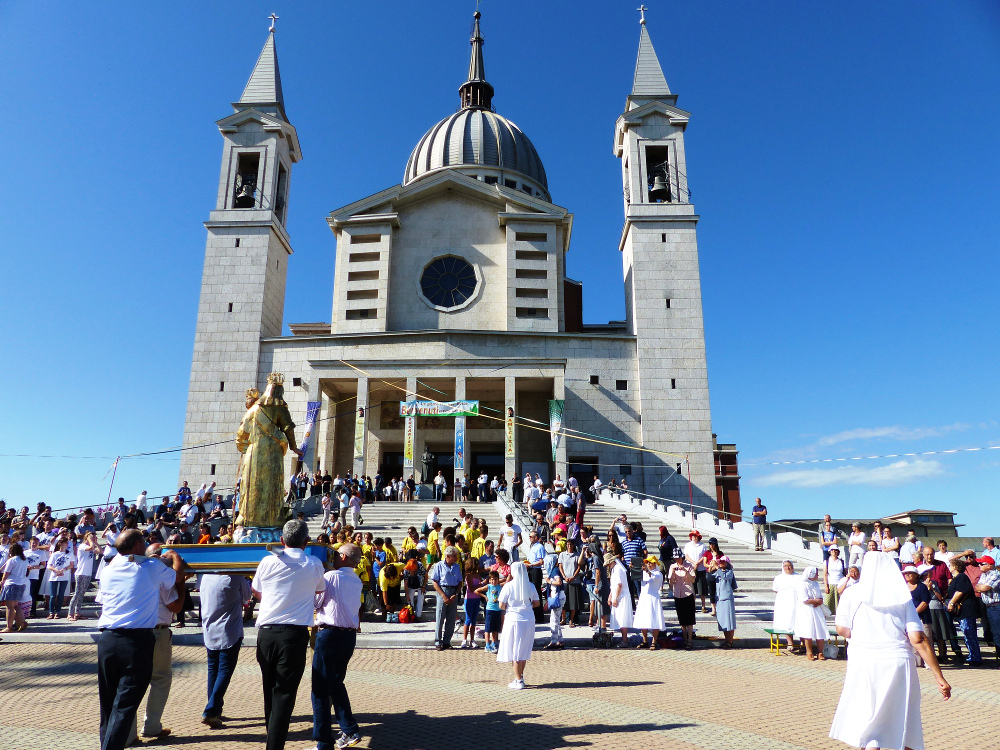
(556,423)
(439,408)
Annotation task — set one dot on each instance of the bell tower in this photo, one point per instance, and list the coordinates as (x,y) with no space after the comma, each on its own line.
(659,250)
(243,282)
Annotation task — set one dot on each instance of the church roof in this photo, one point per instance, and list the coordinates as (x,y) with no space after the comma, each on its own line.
(477,140)
(264,87)
(649,79)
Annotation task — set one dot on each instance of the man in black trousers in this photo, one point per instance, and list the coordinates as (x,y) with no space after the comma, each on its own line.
(132,587)
(286,583)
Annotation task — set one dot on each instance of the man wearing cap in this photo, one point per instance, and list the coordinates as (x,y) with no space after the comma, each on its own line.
(132,587)
(988,589)
(286,583)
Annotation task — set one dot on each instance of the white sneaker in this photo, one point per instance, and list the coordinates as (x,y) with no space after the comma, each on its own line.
(516,685)
(465,644)
(473,644)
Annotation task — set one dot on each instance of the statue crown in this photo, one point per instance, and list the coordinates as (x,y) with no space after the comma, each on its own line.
(276,378)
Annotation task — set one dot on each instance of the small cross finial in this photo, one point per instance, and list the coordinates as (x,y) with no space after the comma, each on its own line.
(642,14)
(273,18)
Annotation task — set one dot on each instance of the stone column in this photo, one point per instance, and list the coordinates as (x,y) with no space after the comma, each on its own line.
(461,462)
(510,402)
(328,433)
(360,448)
(559,392)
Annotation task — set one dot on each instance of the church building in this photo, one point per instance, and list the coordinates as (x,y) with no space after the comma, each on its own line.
(453,323)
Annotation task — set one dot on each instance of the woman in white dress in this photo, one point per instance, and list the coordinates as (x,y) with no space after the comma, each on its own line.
(786,602)
(810,624)
(620,600)
(649,608)
(880,704)
(517,598)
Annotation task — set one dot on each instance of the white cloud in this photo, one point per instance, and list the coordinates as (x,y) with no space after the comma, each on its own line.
(892,433)
(891,475)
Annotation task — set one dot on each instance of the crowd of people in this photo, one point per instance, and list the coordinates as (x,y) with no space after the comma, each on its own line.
(952,592)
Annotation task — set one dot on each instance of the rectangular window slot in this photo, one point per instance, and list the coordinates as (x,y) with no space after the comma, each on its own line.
(533,293)
(526,188)
(359,239)
(621,385)
(510,183)
(230,307)
(211,469)
(595,379)
(237,242)
(490,179)
(658,165)
(531,312)
(222,385)
(279,197)
(531,236)
(277,264)
(363,257)
(673,382)
(245,192)
(531,255)
(663,238)
(530,273)
(297,382)
(678,468)
(668,303)
(362,276)
(362,294)
(625,469)
(361,314)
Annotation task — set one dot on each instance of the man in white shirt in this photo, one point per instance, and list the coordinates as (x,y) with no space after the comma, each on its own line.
(596,488)
(482,483)
(132,587)
(510,537)
(439,487)
(909,550)
(140,501)
(337,613)
(285,584)
(432,518)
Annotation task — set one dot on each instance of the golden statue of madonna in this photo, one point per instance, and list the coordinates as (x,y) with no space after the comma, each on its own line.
(264,436)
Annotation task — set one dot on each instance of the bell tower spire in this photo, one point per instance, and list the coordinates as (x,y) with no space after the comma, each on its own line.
(476,93)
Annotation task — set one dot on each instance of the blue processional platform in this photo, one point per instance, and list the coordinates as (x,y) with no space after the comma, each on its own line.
(238,558)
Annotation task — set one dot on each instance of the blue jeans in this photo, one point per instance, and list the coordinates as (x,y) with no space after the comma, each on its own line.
(334,649)
(968,627)
(472,610)
(221,665)
(57,589)
(993,615)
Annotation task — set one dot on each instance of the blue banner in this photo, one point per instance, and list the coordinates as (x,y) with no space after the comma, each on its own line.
(459,443)
(308,445)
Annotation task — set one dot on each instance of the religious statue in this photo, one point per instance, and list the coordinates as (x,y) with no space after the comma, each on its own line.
(426,462)
(264,436)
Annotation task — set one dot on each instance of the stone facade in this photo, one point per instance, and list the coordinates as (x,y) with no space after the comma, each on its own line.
(642,382)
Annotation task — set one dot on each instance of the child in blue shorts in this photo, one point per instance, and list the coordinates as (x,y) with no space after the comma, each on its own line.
(494,617)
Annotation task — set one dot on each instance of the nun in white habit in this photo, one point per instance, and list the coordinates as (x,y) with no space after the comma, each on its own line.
(810,622)
(518,598)
(620,599)
(880,704)
(785,601)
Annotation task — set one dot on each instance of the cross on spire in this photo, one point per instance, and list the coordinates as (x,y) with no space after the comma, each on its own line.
(274,18)
(642,14)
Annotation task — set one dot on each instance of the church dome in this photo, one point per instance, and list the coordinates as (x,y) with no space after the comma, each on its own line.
(479,142)
(484,144)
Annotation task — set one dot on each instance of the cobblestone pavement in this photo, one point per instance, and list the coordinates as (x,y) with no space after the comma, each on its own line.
(426,700)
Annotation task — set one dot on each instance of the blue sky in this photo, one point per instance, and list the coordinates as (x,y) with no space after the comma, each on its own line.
(842,157)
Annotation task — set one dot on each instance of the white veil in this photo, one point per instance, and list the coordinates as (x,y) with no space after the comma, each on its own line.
(521,587)
(882,586)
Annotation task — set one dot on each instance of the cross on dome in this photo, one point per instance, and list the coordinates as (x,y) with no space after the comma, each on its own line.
(642,14)
(273,18)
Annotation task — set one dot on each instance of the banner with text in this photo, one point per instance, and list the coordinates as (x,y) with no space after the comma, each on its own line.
(556,407)
(459,443)
(509,433)
(359,434)
(308,445)
(408,428)
(439,408)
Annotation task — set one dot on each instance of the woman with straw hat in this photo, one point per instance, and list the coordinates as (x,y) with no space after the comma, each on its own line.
(518,598)
(649,609)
